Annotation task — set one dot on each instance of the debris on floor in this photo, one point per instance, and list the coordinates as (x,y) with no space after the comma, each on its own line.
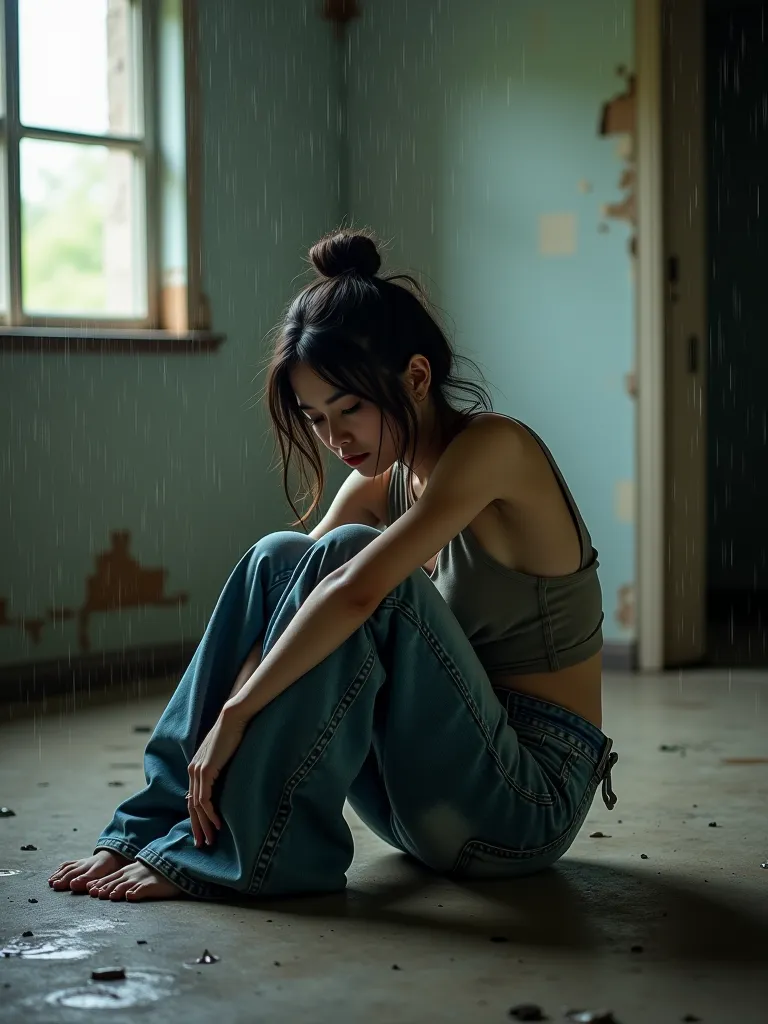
(673,748)
(599,835)
(643,856)
(528,1011)
(637,949)
(6,812)
(207,958)
(591,1017)
(499,938)
(29,846)
(713,824)
(108,974)
(142,728)
(691,1017)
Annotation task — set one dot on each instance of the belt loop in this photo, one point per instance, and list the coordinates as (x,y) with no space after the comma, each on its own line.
(609,797)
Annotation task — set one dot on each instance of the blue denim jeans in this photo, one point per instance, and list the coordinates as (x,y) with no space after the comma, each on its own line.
(401,720)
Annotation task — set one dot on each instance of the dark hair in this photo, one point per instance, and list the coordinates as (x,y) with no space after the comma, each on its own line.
(358,332)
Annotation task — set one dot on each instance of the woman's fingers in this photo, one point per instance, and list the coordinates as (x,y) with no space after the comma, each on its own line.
(197,829)
(202,827)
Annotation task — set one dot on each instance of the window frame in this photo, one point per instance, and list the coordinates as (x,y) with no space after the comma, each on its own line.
(12,131)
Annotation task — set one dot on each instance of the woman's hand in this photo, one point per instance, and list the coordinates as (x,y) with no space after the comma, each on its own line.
(205,767)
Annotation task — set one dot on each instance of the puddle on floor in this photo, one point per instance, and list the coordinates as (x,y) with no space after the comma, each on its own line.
(139,988)
(62,944)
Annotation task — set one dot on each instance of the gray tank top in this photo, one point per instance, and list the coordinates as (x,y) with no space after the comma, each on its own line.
(516,623)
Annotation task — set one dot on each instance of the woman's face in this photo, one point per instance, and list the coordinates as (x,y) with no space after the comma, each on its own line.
(346,425)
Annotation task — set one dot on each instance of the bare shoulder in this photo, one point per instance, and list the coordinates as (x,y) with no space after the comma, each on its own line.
(508,450)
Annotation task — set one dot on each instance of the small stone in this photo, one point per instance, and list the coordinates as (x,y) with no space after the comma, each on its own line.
(643,856)
(499,938)
(27,935)
(6,812)
(598,835)
(141,942)
(74,830)
(115,783)
(637,949)
(142,728)
(764,864)
(713,824)
(528,1011)
(396,968)
(29,846)
(108,974)
(277,963)
(207,958)
(690,1017)
(591,1017)
(31,901)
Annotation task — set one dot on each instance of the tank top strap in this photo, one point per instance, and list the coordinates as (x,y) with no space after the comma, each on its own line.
(584,538)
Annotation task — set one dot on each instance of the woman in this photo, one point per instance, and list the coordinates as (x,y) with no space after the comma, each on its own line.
(442,674)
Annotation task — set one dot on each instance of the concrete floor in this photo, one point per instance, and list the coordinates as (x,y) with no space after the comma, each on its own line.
(698,905)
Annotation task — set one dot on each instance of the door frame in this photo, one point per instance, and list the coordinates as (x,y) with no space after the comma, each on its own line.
(650,333)
(671,332)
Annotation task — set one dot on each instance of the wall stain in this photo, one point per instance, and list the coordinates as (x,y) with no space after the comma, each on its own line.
(625,606)
(618,117)
(118,582)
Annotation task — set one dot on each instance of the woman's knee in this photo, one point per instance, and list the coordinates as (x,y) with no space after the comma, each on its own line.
(349,536)
(283,542)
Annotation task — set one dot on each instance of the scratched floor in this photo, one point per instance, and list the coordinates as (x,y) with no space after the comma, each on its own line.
(696,909)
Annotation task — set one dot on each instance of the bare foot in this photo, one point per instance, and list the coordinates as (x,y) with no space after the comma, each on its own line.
(76,874)
(134,882)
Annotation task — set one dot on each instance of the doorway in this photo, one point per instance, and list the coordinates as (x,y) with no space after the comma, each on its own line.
(715,213)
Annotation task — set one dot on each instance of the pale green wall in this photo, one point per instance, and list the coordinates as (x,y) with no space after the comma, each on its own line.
(467,121)
(172,448)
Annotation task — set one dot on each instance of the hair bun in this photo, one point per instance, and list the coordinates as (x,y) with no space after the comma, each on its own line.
(345,252)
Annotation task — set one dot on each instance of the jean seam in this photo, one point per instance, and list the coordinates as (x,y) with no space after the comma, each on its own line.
(283,813)
(508,854)
(398,604)
(574,742)
(117,844)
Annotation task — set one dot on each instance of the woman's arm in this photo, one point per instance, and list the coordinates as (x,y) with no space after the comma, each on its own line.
(328,617)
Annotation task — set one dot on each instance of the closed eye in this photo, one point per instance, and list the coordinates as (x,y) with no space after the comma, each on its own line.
(345,412)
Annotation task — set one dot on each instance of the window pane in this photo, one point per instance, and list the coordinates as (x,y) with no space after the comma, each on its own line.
(83,242)
(77,66)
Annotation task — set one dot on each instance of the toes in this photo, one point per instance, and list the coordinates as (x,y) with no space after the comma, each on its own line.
(62,880)
(120,890)
(60,871)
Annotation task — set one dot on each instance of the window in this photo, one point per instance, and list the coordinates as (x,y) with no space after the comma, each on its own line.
(85,226)
(78,182)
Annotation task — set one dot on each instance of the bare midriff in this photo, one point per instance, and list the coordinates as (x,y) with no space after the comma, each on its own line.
(577,689)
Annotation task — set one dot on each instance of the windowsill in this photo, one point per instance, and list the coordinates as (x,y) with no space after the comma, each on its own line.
(82,341)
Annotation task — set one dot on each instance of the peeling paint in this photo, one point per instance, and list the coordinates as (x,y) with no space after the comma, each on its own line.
(625,606)
(118,582)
